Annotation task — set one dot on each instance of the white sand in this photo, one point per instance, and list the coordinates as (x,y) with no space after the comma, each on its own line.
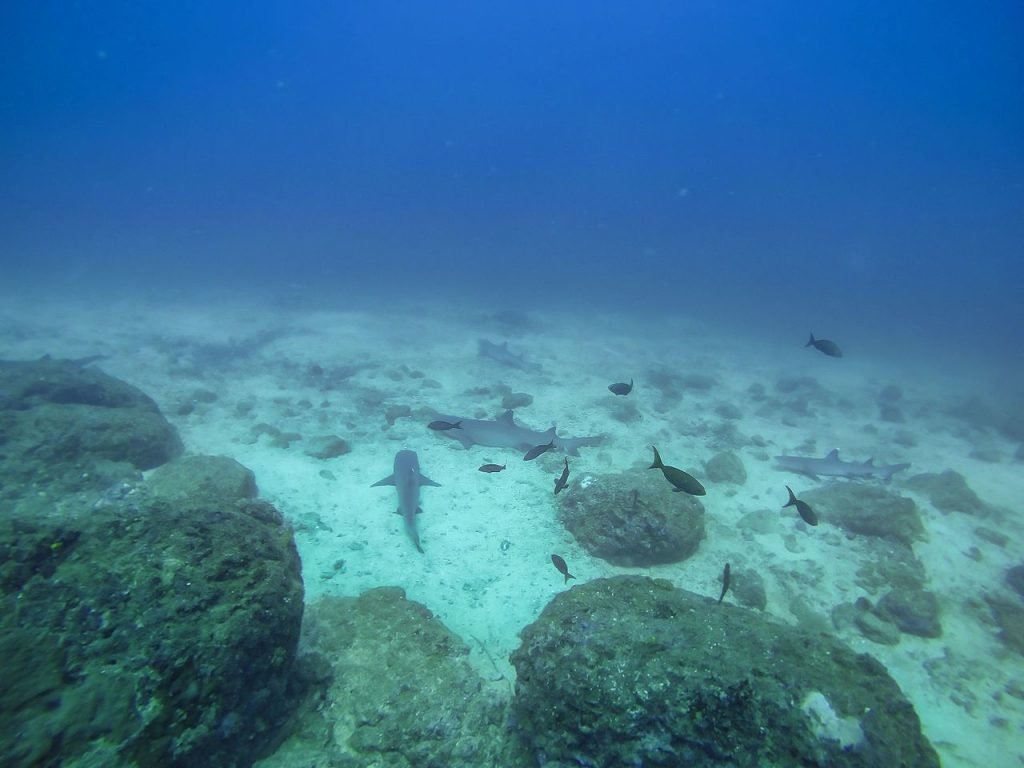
(486,594)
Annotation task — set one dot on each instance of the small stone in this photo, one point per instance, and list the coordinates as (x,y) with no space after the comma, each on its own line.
(327,447)
(514,400)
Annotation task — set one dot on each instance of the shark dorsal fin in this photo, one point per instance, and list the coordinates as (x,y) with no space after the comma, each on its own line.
(507,417)
(870,462)
(833,455)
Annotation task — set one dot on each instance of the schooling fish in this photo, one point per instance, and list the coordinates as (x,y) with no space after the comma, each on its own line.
(537,450)
(682,481)
(830,348)
(562,481)
(802,507)
(492,468)
(725,582)
(562,567)
(621,388)
(444,426)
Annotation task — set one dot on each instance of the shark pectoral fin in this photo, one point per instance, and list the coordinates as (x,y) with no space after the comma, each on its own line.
(389,480)
(419,510)
(424,480)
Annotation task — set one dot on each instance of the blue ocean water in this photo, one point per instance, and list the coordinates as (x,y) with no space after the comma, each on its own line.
(852,168)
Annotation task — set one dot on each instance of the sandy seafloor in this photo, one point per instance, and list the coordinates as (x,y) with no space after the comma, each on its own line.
(254,353)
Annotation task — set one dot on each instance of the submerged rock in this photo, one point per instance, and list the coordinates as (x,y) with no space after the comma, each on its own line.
(632,518)
(67,428)
(948,492)
(632,671)
(394,688)
(867,510)
(140,630)
(726,467)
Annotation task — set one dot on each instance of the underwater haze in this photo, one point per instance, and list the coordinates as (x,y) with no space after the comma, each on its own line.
(856,169)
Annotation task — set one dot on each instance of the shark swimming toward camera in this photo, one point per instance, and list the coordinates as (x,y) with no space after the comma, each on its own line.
(407,480)
(503,432)
(832,466)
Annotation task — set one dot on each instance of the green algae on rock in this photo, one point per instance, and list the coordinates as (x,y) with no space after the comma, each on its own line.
(632,671)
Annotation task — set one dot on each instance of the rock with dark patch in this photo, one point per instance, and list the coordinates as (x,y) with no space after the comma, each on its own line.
(949,492)
(394,687)
(915,612)
(139,629)
(885,564)
(867,510)
(514,400)
(726,467)
(325,447)
(69,428)
(1015,579)
(204,480)
(747,586)
(631,671)
(632,518)
(1008,614)
(395,412)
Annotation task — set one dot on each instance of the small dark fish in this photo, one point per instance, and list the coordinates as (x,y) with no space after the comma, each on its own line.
(492,467)
(620,388)
(830,348)
(537,450)
(683,481)
(562,481)
(562,567)
(444,426)
(725,582)
(802,507)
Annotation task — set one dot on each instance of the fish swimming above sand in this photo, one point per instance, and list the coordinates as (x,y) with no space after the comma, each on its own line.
(621,388)
(802,507)
(825,346)
(562,480)
(492,468)
(681,481)
(504,432)
(832,466)
(408,480)
(562,567)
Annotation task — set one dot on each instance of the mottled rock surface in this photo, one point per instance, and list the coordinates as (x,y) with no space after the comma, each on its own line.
(867,510)
(632,518)
(726,467)
(65,428)
(632,671)
(395,690)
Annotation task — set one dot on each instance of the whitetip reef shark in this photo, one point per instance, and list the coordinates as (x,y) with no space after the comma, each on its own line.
(407,480)
(503,432)
(832,466)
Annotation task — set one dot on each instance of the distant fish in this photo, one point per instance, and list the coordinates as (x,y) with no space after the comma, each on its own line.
(830,348)
(562,567)
(802,507)
(725,582)
(682,481)
(492,468)
(563,480)
(537,450)
(620,388)
(444,426)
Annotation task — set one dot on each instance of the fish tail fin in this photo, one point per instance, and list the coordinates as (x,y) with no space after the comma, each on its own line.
(792,498)
(810,341)
(657,460)
(567,577)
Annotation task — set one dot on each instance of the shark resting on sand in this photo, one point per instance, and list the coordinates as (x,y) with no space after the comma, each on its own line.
(407,480)
(503,432)
(833,466)
(500,353)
